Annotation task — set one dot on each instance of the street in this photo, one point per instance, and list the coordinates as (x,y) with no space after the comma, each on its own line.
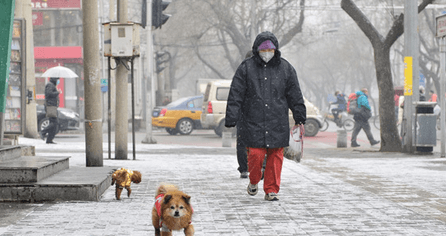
(202,137)
(333,191)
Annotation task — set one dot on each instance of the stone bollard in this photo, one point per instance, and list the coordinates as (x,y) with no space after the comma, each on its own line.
(226,137)
(341,138)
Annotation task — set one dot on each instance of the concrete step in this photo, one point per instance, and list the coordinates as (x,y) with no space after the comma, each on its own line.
(10,152)
(73,184)
(31,168)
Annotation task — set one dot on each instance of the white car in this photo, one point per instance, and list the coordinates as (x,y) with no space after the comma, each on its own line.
(214,109)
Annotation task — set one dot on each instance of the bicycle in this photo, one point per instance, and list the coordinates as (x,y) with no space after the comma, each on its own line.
(346,121)
(376,122)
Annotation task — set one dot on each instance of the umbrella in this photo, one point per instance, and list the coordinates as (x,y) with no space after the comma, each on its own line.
(59,72)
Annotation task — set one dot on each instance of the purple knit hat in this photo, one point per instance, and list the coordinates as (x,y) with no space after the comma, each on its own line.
(267,45)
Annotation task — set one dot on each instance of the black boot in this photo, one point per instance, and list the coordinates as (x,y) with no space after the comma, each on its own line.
(355,144)
(41,135)
(374,142)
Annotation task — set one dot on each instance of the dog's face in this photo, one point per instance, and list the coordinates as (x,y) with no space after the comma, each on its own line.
(136,177)
(177,205)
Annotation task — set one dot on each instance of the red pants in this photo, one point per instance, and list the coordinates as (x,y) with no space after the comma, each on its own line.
(273,168)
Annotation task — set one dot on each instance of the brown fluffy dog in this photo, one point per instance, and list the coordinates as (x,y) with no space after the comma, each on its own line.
(123,178)
(172,211)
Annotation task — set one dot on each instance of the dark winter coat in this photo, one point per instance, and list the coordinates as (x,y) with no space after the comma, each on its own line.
(260,96)
(51,93)
(340,100)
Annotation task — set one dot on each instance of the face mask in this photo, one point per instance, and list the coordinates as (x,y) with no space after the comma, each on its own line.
(266,56)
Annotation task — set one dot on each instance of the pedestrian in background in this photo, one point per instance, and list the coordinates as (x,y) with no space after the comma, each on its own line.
(242,152)
(362,118)
(433,96)
(396,99)
(263,88)
(422,95)
(342,106)
(242,155)
(51,105)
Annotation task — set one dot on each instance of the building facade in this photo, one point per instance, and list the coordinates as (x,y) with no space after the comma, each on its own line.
(57,28)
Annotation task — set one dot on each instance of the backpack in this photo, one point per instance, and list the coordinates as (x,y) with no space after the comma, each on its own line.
(352,104)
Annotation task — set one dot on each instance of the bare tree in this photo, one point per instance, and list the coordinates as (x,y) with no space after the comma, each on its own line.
(225,28)
(390,140)
(330,55)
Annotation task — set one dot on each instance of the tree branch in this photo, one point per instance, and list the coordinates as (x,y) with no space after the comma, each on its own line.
(362,21)
(206,63)
(296,29)
(397,28)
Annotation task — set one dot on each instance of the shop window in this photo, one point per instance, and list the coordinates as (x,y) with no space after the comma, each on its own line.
(59,28)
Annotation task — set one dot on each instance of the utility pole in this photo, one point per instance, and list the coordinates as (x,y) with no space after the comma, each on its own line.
(411,50)
(149,72)
(442,91)
(441,34)
(121,121)
(23,10)
(92,84)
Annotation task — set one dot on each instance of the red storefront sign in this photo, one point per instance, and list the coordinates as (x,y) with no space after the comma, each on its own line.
(48,4)
(37,18)
(68,52)
(47,57)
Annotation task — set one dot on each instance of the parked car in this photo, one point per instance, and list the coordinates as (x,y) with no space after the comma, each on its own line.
(68,119)
(214,105)
(181,116)
(314,119)
(214,110)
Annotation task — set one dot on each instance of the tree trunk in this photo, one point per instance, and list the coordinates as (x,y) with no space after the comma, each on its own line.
(390,139)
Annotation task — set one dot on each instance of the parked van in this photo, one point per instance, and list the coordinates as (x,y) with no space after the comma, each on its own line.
(214,109)
(214,105)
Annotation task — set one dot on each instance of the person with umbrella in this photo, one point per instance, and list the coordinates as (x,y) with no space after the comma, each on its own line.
(51,104)
(52,99)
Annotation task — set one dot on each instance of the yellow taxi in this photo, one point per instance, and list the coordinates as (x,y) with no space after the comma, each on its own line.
(181,116)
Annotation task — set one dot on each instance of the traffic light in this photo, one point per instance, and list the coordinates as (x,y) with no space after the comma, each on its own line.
(161,58)
(158,18)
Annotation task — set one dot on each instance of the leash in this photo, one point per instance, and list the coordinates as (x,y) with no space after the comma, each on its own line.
(301,130)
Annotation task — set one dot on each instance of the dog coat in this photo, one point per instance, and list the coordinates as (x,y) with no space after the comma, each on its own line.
(158,200)
(128,178)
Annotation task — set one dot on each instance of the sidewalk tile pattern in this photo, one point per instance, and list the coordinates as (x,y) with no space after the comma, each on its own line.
(331,192)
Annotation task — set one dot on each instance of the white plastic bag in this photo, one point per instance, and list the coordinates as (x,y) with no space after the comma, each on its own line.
(295,149)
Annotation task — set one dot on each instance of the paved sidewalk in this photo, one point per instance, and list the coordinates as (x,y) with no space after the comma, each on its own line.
(331,192)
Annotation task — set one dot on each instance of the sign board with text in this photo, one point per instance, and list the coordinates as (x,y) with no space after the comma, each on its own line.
(55,4)
(408,76)
(441,26)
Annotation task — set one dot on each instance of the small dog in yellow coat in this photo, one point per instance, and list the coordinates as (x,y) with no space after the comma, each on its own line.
(123,178)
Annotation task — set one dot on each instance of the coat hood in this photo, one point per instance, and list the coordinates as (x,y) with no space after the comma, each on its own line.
(360,93)
(54,80)
(262,37)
